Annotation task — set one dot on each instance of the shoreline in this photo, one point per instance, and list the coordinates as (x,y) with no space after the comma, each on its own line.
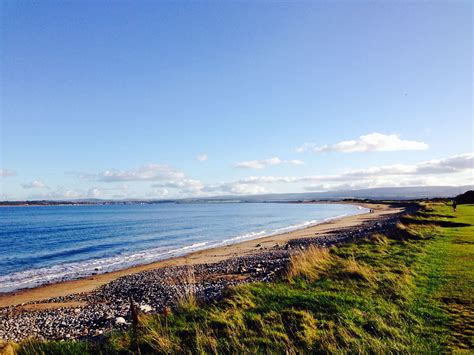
(205,256)
(188,250)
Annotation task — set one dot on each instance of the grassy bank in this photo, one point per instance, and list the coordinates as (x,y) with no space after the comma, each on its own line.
(407,291)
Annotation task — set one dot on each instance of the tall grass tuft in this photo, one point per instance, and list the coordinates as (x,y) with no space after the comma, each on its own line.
(186,295)
(309,264)
(7,348)
(355,270)
(35,347)
(158,336)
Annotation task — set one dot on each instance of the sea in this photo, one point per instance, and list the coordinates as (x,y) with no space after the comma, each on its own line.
(45,244)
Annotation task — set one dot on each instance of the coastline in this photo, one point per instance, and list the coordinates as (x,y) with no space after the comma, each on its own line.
(205,256)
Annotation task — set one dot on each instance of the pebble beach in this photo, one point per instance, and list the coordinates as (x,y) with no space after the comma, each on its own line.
(93,313)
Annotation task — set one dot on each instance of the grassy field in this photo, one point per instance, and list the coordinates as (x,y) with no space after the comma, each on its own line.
(409,291)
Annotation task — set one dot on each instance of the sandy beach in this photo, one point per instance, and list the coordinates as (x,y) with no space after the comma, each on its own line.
(207,256)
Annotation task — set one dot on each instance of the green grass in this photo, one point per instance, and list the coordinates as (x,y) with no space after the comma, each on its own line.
(410,291)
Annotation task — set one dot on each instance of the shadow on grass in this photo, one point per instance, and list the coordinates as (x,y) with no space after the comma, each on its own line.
(428,215)
(444,224)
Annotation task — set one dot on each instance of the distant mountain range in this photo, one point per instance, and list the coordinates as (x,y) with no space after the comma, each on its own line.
(381,193)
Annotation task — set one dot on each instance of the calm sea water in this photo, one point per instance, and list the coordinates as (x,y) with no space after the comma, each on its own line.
(51,243)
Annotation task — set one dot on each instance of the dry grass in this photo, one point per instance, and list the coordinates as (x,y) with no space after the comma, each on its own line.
(157,335)
(309,264)
(186,291)
(356,270)
(7,348)
(379,239)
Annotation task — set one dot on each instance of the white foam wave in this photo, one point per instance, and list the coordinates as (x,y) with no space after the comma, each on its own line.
(35,277)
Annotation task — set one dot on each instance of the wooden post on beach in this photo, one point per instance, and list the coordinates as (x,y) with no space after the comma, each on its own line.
(135,325)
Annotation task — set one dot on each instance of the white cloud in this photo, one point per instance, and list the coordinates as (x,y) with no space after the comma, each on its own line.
(7,172)
(370,142)
(393,181)
(94,193)
(59,194)
(234,188)
(35,184)
(184,185)
(260,164)
(345,186)
(69,194)
(6,197)
(202,157)
(150,172)
(453,164)
(295,162)
(447,165)
(160,193)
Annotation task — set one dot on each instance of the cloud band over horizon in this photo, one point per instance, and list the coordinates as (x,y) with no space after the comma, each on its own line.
(171,183)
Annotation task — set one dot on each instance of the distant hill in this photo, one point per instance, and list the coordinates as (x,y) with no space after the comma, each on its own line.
(382,193)
(465,198)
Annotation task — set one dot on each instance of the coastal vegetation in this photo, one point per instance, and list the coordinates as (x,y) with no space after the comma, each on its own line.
(407,290)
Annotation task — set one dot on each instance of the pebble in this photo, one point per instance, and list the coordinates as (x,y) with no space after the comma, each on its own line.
(146,308)
(120,320)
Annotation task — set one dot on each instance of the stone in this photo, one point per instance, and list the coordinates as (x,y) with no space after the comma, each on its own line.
(120,321)
(146,308)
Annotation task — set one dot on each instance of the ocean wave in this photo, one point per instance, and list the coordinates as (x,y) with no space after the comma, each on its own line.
(251,235)
(67,271)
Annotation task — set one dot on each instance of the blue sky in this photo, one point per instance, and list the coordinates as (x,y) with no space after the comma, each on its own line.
(119,99)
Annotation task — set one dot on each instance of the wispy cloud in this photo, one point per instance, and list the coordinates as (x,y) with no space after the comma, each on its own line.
(61,192)
(390,181)
(150,172)
(35,184)
(7,172)
(202,157)
(94,193)
(234,188)
(160,193)
(370,142)
(188,186)
(260,164)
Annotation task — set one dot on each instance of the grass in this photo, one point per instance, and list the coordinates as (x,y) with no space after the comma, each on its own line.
(408,291)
